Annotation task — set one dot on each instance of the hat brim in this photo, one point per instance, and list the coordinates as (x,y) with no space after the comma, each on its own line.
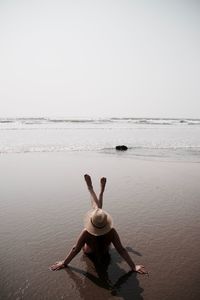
(97,231)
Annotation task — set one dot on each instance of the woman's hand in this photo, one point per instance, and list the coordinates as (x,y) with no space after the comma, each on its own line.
(140,269)
(57,266)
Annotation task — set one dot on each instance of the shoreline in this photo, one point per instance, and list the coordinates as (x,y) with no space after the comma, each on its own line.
(112,153)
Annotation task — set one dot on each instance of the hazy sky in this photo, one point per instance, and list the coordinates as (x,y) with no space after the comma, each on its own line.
(100,58)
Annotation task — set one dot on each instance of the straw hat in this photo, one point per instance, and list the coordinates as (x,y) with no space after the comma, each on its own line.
(98,222)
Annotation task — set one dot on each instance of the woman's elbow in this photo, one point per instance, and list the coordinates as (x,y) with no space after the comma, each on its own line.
(121,250)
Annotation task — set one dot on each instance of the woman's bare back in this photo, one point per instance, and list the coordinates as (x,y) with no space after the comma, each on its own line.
(98,244)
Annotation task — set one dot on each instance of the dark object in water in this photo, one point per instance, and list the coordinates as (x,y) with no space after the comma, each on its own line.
(121,148)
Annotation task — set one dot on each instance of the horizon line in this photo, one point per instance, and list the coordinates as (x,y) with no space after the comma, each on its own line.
(93,117)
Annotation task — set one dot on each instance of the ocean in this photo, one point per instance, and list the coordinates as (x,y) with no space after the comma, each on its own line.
(146,138)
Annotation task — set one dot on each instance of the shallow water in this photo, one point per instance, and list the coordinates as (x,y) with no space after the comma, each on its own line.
(155,206)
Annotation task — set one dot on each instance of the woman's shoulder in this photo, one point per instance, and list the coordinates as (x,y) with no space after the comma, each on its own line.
(111,233)
(87,235)
(85,232)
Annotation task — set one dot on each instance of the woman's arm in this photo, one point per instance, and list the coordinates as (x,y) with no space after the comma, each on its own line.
(74,251)
(124,253)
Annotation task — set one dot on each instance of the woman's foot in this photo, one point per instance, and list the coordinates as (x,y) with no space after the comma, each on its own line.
(88,181)
(103,184)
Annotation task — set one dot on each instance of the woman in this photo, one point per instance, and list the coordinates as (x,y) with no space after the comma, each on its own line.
(98,234)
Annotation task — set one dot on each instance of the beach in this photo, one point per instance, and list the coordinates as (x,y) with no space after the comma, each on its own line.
(109,89)
(155,206)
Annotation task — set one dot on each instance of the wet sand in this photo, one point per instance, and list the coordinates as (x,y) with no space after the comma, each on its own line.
(155,206)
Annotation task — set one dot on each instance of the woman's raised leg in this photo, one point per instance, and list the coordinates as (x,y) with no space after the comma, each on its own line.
(94,199)
(103,184)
